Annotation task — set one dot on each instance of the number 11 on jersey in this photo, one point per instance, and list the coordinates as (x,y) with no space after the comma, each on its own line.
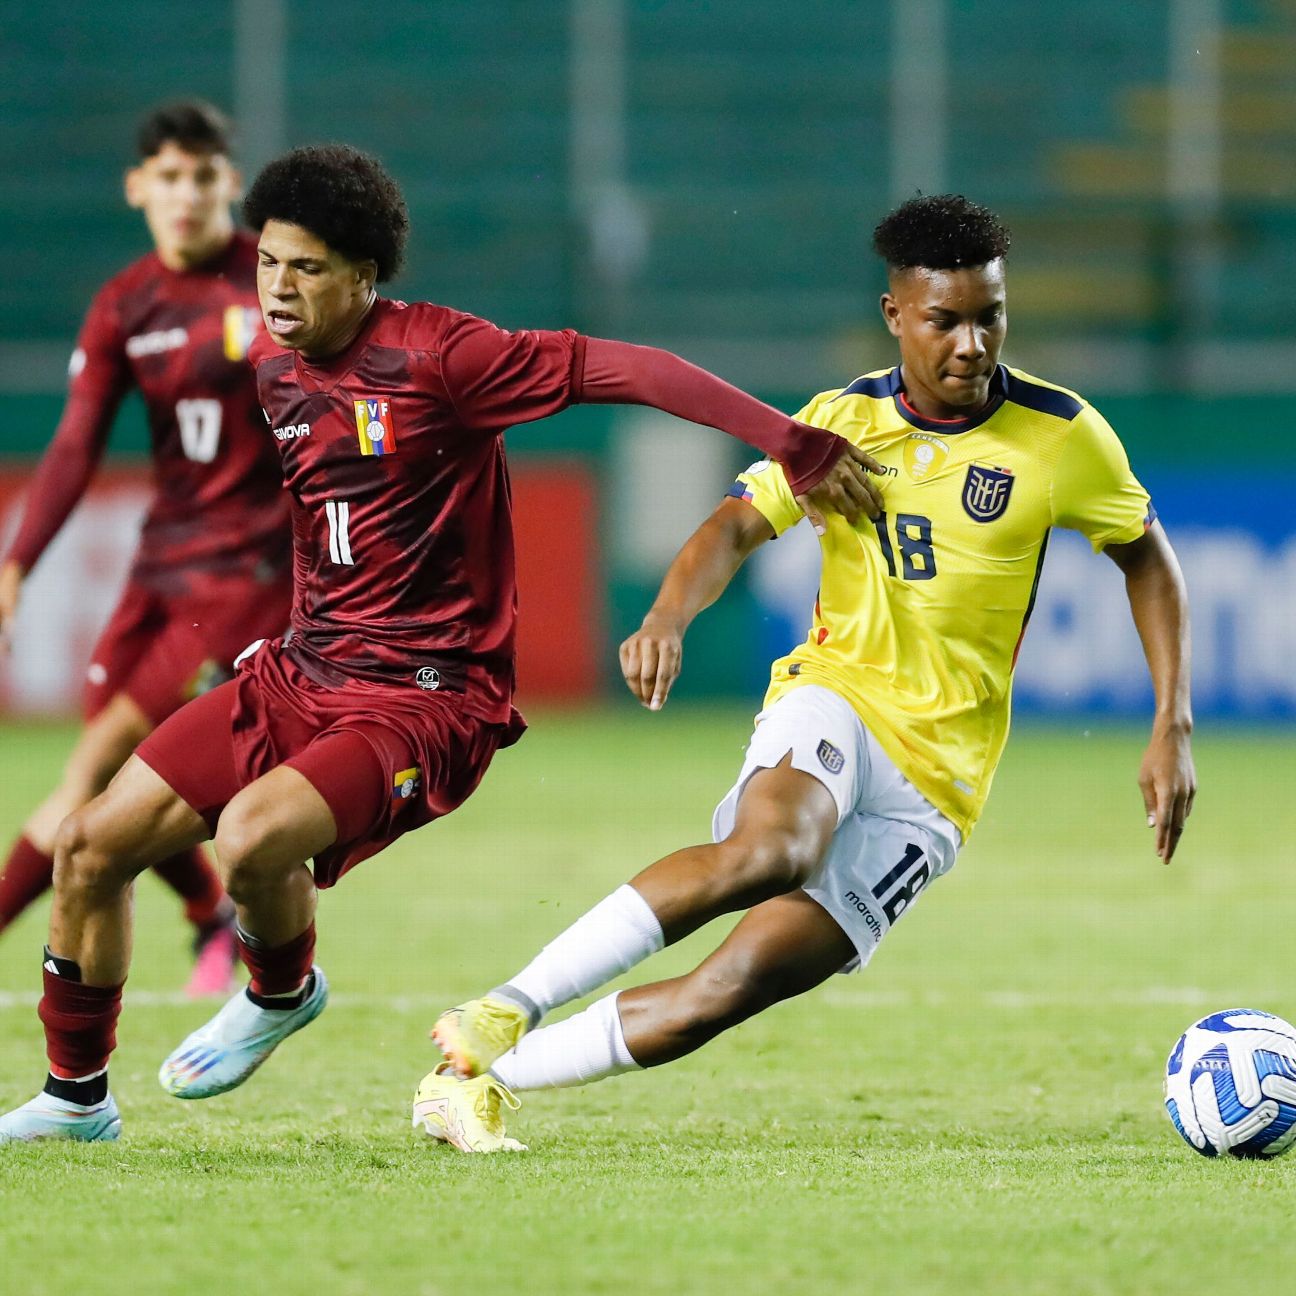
(339,528)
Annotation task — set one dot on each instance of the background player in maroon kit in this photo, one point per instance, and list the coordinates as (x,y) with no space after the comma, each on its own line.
(212,570)
(395,690)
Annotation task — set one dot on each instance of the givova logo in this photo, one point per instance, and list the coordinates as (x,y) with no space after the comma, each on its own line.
(146,344)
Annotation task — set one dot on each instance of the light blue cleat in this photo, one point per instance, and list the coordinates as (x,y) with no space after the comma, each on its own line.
(222,1054)
(47,1117)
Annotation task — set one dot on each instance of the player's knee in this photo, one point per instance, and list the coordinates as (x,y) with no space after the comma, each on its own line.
(771,861)
(82,859)
(244,852)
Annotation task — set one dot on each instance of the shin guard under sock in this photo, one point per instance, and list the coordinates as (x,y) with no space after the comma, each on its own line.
(80,1020)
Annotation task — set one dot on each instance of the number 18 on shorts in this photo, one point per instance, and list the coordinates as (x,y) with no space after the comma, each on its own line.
(890,842)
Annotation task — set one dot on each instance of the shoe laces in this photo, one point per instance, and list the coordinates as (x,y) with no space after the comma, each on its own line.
(490,1094)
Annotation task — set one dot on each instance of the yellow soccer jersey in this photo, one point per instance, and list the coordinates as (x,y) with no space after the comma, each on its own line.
(921,613)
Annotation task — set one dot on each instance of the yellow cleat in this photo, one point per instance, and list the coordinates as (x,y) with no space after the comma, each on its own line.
(476,1034)
(465,1113)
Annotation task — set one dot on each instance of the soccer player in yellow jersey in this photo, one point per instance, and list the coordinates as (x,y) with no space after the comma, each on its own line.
(878,741)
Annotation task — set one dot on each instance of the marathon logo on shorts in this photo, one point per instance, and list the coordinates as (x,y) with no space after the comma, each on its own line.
(986,492)
(829,757)
(406,783)
(374,425)
(870,918)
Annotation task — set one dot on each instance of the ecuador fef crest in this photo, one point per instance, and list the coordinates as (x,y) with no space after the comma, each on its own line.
(375,426)
(986,491)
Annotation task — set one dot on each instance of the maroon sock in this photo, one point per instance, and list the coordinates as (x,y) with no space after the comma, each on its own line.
(28,873)
(191,876)
(279,970)
(80,1020)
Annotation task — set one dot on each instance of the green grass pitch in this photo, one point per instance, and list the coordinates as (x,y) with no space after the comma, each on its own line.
(980,1111)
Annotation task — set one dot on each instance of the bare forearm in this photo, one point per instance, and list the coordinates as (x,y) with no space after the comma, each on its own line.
(1159,603)
(651,657)
(701,572)
(60,480)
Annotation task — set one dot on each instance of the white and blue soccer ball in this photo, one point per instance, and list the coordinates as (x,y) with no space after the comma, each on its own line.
(1230,1084)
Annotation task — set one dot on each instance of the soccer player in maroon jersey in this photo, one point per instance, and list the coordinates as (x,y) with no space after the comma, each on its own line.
(212,571)
(384,708)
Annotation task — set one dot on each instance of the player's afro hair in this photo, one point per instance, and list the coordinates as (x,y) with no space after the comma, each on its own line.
(195,125)
(940,232)
(343,196)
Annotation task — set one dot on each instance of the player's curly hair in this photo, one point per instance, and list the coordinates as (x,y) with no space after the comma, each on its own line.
(194,124)
(940,232)
(343,196)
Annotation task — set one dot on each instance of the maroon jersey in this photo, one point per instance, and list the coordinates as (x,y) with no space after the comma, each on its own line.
(181,338)
(403,537)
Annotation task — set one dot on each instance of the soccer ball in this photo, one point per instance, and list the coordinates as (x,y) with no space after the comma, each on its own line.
(1231,1084)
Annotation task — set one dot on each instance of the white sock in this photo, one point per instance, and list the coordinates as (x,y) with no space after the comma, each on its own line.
(587,1047)
(601,944)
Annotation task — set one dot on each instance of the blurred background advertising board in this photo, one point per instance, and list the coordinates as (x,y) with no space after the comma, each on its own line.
(659,172)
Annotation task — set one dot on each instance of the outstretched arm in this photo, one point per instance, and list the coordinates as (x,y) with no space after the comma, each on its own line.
(496,380)
(825,471)
(60,481)
(652,656)
(1159,602)
(100,378)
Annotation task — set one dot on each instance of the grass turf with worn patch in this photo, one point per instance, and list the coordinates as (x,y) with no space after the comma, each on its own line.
(978,1112)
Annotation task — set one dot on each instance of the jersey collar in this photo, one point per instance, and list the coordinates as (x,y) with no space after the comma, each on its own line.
(326,374)
(950,427)
(891,384)
(219,262)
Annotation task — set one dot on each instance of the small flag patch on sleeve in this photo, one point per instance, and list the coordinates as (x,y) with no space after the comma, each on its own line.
(241,324)
(375,426)
(406,783)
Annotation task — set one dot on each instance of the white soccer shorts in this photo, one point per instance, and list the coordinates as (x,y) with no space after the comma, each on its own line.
(890,843)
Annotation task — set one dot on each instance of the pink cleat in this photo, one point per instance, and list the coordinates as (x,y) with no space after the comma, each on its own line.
(216,959)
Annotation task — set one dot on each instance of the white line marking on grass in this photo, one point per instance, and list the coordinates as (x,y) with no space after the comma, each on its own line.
(1151,997)
(837,997)
(178,999)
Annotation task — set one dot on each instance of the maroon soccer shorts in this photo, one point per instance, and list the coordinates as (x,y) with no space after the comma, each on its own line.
(386,758)
(163,650)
